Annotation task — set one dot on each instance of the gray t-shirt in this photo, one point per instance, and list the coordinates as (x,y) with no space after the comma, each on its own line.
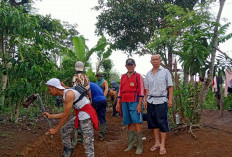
(158,85)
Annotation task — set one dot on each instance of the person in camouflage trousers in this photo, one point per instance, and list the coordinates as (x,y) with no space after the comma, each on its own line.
(86,128)
(85,119)
(82,79)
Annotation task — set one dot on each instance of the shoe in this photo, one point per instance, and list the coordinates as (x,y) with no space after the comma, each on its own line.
(67,152)
(102,131)
(131,140)
(139,149)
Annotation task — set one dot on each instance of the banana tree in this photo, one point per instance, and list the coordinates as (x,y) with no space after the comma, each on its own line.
(103,53)
(82,52)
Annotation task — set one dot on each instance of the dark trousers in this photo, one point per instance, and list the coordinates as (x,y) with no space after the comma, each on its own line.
(157,116)
(100,108)
(114,108)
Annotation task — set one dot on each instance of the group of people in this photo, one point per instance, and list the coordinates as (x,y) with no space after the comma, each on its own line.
(155,93)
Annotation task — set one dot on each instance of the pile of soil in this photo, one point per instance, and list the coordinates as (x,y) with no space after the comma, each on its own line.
(28,138)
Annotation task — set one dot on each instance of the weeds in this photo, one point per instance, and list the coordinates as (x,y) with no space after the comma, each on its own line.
(6,134)
(187,103)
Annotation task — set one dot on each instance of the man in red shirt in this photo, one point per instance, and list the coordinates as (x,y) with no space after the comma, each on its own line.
(130,97)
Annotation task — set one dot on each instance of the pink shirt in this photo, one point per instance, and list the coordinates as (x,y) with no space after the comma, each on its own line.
(227,81)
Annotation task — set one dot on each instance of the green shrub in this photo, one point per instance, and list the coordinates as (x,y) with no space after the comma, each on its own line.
(186,103)
(228,102)
(210,101)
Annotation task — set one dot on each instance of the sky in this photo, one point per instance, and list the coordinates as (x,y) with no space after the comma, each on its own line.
(80,12)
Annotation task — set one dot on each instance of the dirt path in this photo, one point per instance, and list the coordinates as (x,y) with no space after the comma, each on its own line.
(29,139)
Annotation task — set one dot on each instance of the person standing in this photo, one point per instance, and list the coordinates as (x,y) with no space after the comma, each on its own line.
(99,103)
(158,98)
(102,83)
(85,119)
(82,79)
(130,97)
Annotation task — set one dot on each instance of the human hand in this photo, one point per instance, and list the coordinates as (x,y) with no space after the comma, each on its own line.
(118,107)
(62,84)
(46,115)
(170,103)
(139,108)
(145,104)
(53,131)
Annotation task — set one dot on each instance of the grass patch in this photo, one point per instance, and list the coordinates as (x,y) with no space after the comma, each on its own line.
(6,134)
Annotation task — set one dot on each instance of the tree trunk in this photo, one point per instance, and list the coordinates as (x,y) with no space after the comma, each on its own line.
(176,87)
(4,75)
(17,109)
(208,81)
(186,76)
(192,79)
(221,101)
(4,82)
(170,59)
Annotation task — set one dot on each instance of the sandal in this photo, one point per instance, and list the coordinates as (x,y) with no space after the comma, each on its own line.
(154,148)
(162,151)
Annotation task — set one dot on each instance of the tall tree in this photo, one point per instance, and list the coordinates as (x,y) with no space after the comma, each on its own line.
(14,24)
(207,83)
(186,34)
(25,37)
(131,24)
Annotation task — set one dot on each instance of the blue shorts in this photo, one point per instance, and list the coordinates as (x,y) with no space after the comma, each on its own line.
(157,116)
(130,114)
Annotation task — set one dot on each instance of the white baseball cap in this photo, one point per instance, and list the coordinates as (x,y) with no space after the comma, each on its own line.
(79,66)
(55,83)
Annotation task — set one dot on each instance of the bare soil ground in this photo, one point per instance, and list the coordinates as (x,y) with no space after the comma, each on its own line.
(28,138)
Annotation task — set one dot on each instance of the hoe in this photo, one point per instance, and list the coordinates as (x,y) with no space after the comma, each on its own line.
(31,99)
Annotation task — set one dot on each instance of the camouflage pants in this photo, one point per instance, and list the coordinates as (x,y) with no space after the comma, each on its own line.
(86,127)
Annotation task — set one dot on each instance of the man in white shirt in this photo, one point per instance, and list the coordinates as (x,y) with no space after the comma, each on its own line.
(158,98)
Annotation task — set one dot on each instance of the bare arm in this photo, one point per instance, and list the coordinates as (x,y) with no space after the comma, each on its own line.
(106,87)
(139,107)
(89,94)
(145,98)
(118,105)
(62,84)
(141,92)
(170,90)
(69,98)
